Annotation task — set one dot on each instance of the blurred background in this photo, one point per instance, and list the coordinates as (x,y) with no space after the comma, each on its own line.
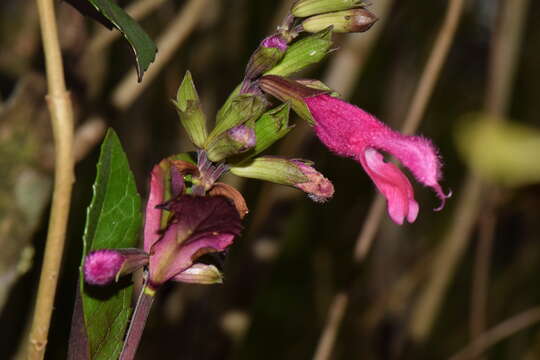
(421,291)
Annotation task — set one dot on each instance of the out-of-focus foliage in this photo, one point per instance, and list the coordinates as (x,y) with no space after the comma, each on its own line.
(504,152)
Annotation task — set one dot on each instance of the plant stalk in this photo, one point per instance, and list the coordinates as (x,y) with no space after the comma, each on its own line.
(61,112)
(138,322)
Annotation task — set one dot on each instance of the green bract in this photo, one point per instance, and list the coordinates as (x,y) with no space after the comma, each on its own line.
(232,142)
(304,8)
(190,111)
(271,126)
(236,111)
(273,169)
(310,50)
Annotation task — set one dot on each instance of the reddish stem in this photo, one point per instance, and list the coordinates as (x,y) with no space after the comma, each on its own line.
(138,322)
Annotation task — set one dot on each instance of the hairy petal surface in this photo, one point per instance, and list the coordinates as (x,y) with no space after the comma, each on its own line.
(350,131)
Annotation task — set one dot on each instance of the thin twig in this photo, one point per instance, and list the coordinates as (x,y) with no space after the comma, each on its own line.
(452,247)
(128,90)
(481,273)
(329,334)
(498,333)
(62,123)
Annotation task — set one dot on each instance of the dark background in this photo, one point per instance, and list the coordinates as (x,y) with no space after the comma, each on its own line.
(294,255)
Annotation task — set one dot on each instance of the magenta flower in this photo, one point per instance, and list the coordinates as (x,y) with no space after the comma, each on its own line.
(106,265)
(179,228)
(350,131)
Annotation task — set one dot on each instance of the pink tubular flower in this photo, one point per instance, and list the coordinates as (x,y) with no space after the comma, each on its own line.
(350,131)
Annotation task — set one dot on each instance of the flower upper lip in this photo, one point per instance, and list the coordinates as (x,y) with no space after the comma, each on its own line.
(350,131)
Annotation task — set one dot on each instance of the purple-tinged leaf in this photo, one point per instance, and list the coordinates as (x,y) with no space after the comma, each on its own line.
(198,225)
(152,222)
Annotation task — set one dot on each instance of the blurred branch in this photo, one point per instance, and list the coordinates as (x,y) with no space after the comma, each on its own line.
(128,90)
(482,262)
(62,123)
(502,67)
(450,250)
(499,333)
(87,136)
(329,334)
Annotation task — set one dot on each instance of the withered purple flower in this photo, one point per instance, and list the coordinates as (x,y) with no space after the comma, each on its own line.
(178,229)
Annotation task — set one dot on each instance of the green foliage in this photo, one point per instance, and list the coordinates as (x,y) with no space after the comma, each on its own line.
(113,221)
(143,47)
(503,152)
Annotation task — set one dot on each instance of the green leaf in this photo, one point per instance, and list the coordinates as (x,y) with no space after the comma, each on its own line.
(142,45)
(113,220)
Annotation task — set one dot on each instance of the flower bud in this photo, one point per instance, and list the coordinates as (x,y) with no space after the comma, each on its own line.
(295,173)
(270,127)
(190,111)
(241,109)
(318,188)
(271,168)
(302,53)
(103,266)
(346,21)
(267,55)
(200,274)
(305,8)
(234,141)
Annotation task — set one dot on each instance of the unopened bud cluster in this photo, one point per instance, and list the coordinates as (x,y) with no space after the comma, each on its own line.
(343,15)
